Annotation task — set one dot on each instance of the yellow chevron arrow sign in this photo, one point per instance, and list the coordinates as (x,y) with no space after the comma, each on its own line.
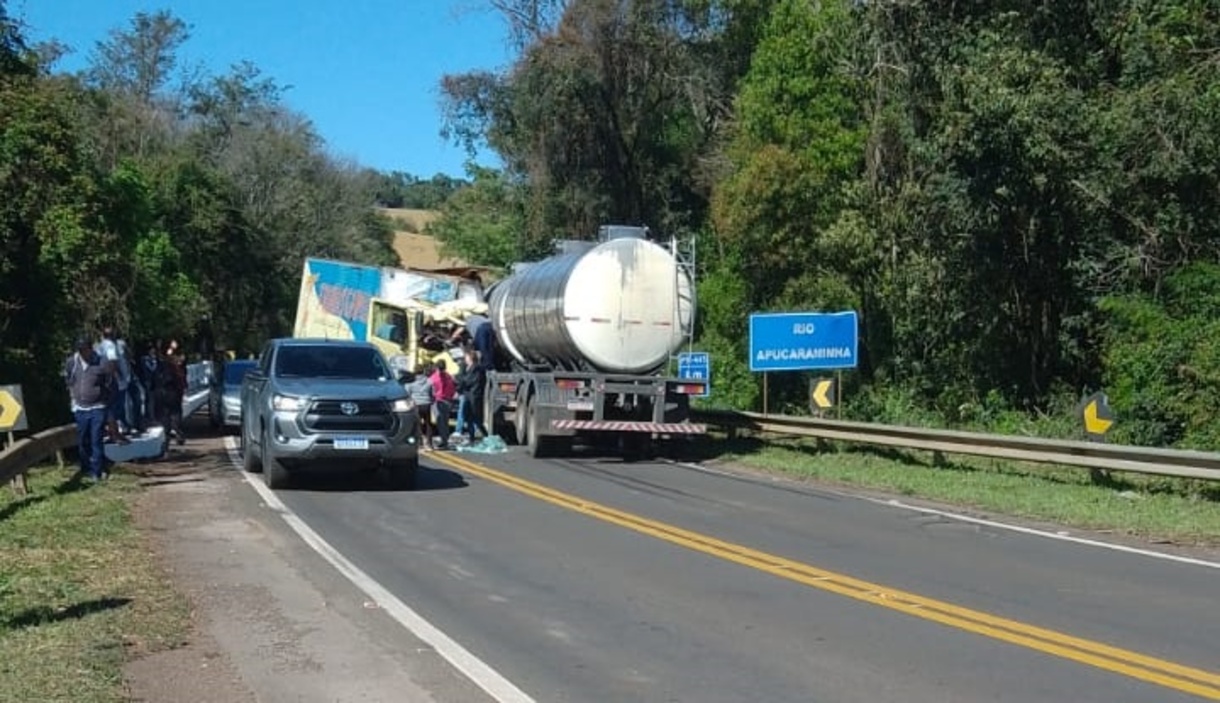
(1097,415)
(823,393)
(12,410)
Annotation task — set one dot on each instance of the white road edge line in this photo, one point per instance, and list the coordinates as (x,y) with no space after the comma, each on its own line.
(1062,537)
(499,688)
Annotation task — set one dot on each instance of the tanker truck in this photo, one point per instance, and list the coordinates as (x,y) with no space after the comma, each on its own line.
(584,339)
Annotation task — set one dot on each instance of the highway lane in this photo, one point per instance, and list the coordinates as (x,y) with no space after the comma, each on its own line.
(574,608)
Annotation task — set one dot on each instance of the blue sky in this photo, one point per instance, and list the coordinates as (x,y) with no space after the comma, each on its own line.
(366,72)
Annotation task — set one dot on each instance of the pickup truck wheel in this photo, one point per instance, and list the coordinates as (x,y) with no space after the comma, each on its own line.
(249,463)
(274,473)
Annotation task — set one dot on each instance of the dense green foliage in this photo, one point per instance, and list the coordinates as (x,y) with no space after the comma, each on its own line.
(1019,197)
(136,195)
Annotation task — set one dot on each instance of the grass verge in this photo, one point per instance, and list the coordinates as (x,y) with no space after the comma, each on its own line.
(80,591)
(1154,508)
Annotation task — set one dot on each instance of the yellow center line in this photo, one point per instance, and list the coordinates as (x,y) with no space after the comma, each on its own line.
(1205,684)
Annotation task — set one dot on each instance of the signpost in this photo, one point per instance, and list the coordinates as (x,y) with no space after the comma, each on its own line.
(803,341)
(1097,418)
(696,366)
(800,341)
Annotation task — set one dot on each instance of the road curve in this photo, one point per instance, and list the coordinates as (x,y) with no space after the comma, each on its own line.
(589,579)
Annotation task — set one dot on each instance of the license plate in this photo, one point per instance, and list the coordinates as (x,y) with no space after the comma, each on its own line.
(580,405)
(351,443)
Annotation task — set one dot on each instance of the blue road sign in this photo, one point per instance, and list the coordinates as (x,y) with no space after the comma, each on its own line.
(800,341)
(697,366)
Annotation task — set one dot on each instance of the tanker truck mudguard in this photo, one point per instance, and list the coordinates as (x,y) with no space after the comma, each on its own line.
(584,338)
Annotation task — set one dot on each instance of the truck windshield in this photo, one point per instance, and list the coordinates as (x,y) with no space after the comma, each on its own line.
(330,361)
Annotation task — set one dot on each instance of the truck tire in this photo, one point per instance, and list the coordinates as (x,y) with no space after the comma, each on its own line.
(537,444)
(274,473)
(493,420)
(637,447)
(249,462)
(521,424)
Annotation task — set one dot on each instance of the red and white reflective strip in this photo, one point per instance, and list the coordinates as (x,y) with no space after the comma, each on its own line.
(621,426)
(606,321)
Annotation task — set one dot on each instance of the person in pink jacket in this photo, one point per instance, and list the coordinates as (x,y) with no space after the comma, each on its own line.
(444,395)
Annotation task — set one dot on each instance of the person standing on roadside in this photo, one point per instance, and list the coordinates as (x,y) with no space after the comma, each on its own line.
(108,351)
(420,388)
(89,386)
(460,381)
(169,387)
(126,389)
(146,371)
(444,393)
(470,385)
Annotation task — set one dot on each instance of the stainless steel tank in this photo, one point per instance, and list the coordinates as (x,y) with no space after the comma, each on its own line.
(622,306)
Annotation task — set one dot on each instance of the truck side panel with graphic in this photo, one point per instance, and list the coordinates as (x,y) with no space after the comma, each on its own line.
(340,300)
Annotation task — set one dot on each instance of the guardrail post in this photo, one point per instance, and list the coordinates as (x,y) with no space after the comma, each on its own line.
(19,484)
(20,487)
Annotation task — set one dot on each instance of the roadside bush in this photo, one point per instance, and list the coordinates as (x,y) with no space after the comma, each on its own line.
(1162,362)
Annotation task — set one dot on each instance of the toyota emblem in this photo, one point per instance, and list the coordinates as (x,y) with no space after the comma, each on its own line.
(349,408)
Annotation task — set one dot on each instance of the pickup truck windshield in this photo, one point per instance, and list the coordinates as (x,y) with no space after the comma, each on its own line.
(330,361)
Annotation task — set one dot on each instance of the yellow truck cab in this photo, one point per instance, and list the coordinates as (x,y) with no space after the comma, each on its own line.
(343,300)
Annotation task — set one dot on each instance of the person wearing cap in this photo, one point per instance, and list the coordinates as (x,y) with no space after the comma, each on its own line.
(90,387)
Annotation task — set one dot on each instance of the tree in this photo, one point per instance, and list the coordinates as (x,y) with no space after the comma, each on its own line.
(484,222)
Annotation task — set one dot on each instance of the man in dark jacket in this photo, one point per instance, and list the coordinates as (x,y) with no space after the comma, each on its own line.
(169,387)
(90,387)
(470,383)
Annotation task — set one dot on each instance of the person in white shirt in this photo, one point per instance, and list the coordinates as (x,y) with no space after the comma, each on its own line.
(108,351)
(129,397)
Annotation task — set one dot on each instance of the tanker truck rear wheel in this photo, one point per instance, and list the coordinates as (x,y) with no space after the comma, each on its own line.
(495,421)
(536,444)
(521,420)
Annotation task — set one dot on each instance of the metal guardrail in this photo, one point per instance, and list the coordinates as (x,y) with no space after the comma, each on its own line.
(24,453)
(1113,457)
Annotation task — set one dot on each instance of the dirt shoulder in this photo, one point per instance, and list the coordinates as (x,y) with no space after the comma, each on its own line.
(271,620)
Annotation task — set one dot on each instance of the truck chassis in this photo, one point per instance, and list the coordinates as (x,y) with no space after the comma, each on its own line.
(547,410)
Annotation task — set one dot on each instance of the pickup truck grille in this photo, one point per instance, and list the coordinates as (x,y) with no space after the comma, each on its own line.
(328,416)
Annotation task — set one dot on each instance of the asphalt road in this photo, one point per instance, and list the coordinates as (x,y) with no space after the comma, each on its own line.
(657,582)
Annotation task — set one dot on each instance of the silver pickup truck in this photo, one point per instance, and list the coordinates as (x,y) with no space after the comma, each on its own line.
(327,403)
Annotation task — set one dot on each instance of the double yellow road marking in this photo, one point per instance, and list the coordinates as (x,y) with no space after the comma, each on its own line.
(1164,673)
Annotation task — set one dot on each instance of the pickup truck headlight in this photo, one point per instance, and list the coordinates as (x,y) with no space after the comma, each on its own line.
(404,405)
(287,403)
